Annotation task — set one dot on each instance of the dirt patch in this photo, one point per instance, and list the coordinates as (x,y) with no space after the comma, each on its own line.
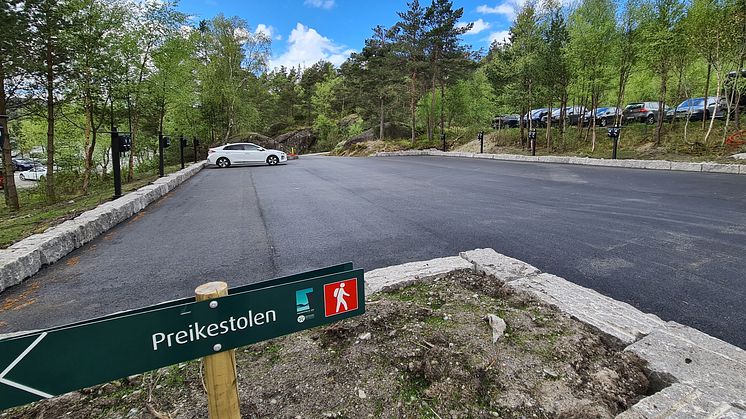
(73,261)
(22,300)
(422,351)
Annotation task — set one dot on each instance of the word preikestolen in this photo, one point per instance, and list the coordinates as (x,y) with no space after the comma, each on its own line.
(196,331)
(42,364)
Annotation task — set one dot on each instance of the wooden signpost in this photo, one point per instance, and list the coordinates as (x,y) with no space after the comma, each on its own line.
(42,364)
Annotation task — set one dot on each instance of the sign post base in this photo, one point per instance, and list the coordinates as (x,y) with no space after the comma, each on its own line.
(220,369)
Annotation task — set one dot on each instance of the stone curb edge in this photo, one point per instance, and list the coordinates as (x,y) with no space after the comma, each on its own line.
(26,257)
(692,373)
(709,167)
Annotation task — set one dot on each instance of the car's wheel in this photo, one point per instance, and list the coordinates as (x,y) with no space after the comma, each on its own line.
(22,177)
(650,119)
(604,122)
(272,160)
(223,162)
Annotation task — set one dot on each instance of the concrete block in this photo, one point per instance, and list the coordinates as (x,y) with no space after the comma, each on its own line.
(520,157)
(17,263)
(554,159)
(583,161)
(56,243)
(401,275)
(742,169)
(720,168)
(498,265)
(680,401)
(597,162)
(656,165)
(681,354)
(619,321)
(686,166)
(632,164)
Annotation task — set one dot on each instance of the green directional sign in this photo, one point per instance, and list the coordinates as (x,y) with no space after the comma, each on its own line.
(58,360)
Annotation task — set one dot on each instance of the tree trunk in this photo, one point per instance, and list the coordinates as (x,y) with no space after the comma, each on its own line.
(133,134)
(431,111)
(737,91)
(707,87)
(135,115)
(380,129)
(549,127)
(413,106)
(89,143)
(442,105)
(522,125)
(623,76)
(728,101)
(661,107)
(712,118)
(50,120)
(562,127)
(11,194)
(594,105)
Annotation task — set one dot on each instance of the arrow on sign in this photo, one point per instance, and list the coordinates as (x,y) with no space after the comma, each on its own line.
(15,362)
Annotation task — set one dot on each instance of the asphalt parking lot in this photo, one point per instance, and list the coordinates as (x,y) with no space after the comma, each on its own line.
(671,243)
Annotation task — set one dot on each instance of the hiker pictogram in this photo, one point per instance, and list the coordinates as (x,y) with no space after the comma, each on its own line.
(340,297)
(340,294)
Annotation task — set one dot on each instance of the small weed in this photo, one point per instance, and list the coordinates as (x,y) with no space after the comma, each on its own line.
(412,388)
(272,352)
(435,321)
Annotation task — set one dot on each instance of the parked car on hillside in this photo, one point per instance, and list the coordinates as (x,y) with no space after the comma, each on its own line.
(35,173)
(572,115)
(646,112)
(506,121)
(695,109)
(535,116)
(605,116)
(22,165)
(244,153)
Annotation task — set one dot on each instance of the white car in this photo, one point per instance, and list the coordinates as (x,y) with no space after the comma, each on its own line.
(35,173)
(244,153)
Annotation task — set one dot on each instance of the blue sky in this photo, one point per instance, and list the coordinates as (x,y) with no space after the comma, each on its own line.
(305,31)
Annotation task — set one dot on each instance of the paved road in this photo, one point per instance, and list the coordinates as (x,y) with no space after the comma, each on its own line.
(670,243)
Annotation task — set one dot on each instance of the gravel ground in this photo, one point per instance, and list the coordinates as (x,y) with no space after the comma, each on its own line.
(421,351)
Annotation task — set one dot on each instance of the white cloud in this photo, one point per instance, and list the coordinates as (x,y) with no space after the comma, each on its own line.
(508,9)
(478,26)
(268,30)
(306,47)
(500,36)
(320,4)
(241,35)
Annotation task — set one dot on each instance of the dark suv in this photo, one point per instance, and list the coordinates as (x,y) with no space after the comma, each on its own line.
(20,164)
(642,112)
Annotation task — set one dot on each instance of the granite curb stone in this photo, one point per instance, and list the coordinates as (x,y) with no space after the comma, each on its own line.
(679,401)
(616,320)
(400,275)
(24,258)
(709,167)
